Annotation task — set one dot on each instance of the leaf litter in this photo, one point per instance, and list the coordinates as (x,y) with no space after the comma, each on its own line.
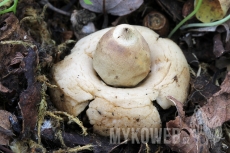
(203,129)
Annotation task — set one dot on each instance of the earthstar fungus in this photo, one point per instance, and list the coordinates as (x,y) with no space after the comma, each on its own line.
(118,82)
(122,57)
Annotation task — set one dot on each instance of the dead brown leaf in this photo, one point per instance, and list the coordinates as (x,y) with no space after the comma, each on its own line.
(9,30)
(5,127)
(29,100)
(4,89)
(217,110)
(189,140)
(11,23)
(31,97)
(202,89)
(12,79)
(203,129)
(218,47)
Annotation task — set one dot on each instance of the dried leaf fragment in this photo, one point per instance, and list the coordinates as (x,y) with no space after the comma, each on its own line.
(8,24)
(203,128)
(217,110)
(4,89)
(188,139)
(5,127)
(31,96)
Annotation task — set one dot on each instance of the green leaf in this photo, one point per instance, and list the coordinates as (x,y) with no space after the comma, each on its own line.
(88,2)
